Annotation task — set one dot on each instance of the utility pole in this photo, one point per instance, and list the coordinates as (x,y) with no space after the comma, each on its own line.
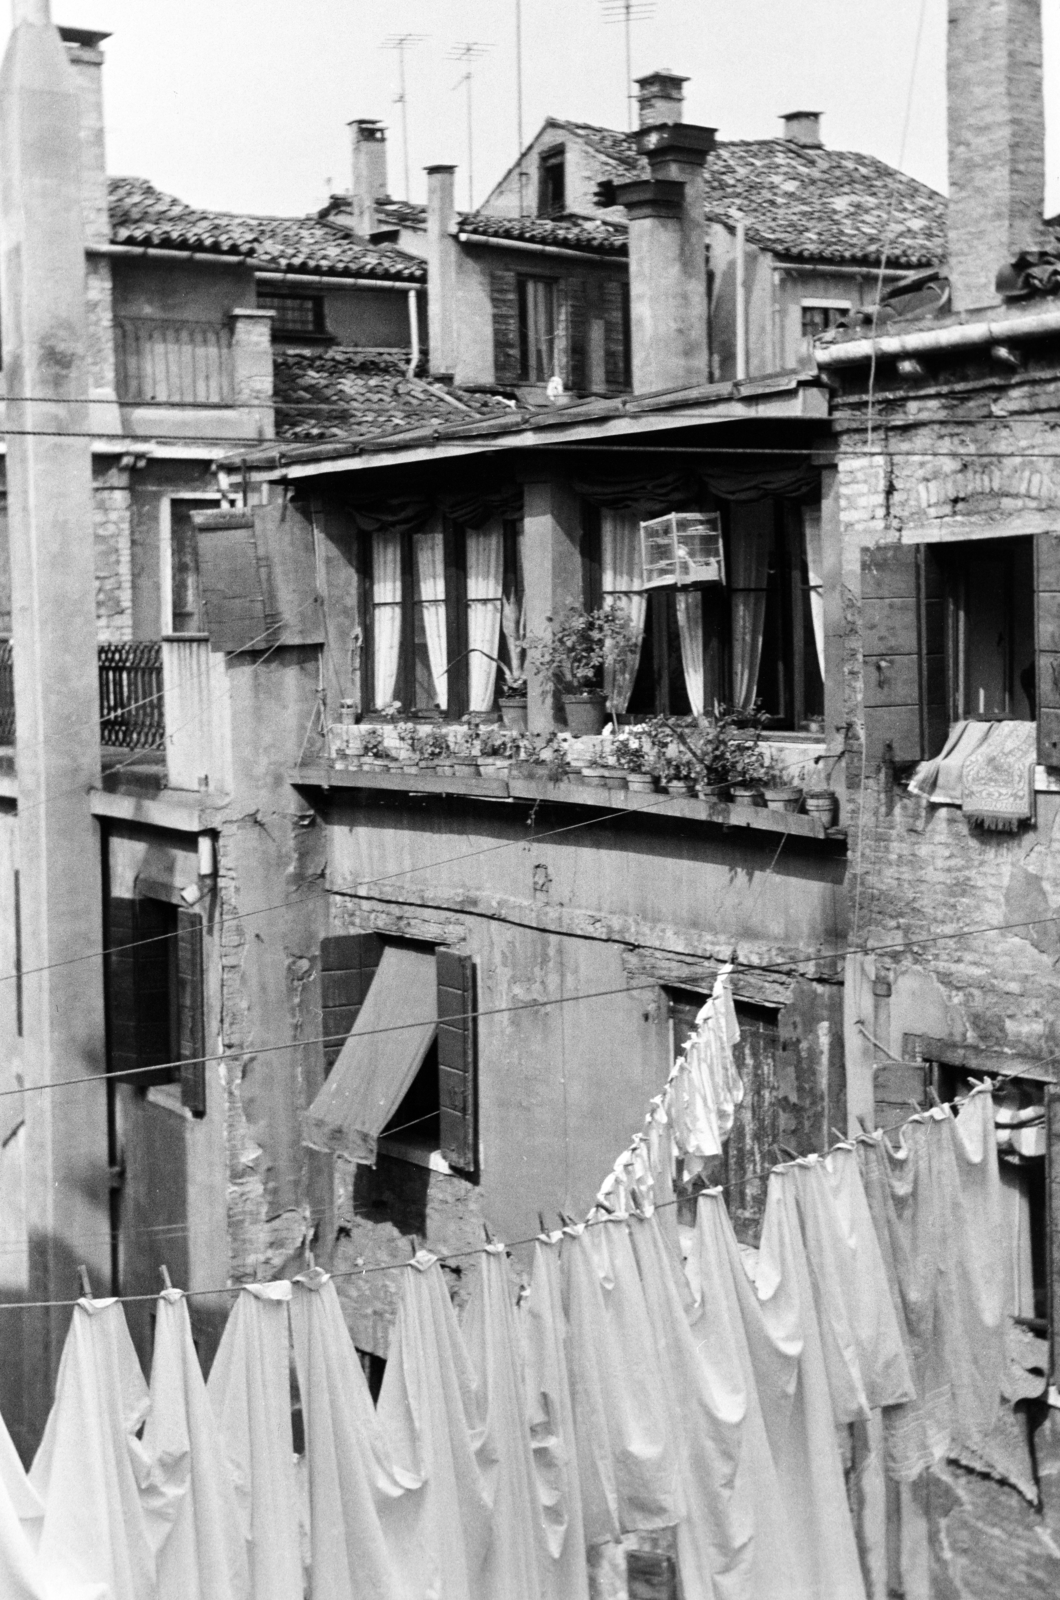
(401,42)
(628,12)
(470,51)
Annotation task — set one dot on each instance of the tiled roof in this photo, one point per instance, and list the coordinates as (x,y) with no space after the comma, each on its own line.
(397,213)
(805,202)
(595,235)
(140,214)
(344,393)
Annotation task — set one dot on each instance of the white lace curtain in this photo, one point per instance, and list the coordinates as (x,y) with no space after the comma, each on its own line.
(751,537)
(622,581)
(429,552)
(811,529)
(485,584)
(386,614)
(690,632)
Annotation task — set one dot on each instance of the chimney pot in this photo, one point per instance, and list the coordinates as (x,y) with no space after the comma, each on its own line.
(660,97)
(802,127)
(369,183)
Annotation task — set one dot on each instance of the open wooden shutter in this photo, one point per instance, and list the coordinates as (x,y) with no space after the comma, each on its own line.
(191,1017)
(616,322)
(123,1052)
(504,297)
(139,966)
(457,1085)
(1052,1222)
(1047,645)
(294,608)
(348,963)
(577,369)
(233,589)
(903,639)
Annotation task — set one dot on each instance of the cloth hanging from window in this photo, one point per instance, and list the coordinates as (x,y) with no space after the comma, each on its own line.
(386,614)
(690,631)
(430,1409)
(491,1336)
(485,588)
(250,1391)
(561,1535)
(812,541)
(189,1493)
(474,507)
(935,1203)
(352,1479)
(622,582)
(749,544)
(90,1465)
(429,552)
(389,513)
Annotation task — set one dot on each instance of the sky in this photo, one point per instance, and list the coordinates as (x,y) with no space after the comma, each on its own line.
(243,104)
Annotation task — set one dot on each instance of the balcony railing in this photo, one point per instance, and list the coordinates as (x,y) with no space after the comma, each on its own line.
(131,713)
(173,362)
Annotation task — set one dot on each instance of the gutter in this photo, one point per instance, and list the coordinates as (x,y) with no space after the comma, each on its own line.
(958,336)
(264,270)
(537,249)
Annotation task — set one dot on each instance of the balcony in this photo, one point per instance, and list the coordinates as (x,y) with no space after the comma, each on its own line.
(131,699)
(165,362)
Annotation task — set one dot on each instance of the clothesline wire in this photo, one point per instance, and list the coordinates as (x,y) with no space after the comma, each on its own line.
(593,1220)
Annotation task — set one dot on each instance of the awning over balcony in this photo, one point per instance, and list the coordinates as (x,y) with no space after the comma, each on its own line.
(381,1056)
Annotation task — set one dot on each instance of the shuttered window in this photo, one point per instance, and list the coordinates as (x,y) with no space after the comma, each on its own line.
(348,963)
(457,1079)
(617,372)
(504,297)
(1047,644)
(257,572)
(154,997)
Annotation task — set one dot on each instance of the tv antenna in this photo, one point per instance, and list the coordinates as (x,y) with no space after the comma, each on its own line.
(470,51)
(628,12)
(519,103)
(402,42)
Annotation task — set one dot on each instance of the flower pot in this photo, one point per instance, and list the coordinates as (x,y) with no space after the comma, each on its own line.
(586,714)
(713,791)
(594,775)
(747,794)
(785,798)
(513,712)
(678,790)
(615,780)
(465,769)
(640,782)
(821,803)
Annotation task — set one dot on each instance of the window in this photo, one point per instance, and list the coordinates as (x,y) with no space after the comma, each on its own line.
(820,315)
(413,1084)
(552,183)
(186,611)
(154,995)
(760,639)
(541,353)
(949,633)
(436,614)
(297,315)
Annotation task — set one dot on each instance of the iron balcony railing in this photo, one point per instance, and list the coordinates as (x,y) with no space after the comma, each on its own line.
(130,695)
(171,362)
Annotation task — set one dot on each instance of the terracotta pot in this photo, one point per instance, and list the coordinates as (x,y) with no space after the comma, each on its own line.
(594,775)
(640,782)
(465,769)
(821,803)
(586,714)
(747,794)
(785,798)
(513,712)
(615,780)
(678,790)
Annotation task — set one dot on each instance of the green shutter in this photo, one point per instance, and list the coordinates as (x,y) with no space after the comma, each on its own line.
(348,963)
(902,626)
(457,1084)
(1047,645)
(191,1017)
(504,296)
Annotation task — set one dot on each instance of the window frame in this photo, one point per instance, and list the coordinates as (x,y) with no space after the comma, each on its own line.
(267,301)
(549,162)
(530,337)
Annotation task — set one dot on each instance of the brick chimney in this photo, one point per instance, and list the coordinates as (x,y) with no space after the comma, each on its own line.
(802,127)
(996,128)
(660,98)
(668,256)
(369,173)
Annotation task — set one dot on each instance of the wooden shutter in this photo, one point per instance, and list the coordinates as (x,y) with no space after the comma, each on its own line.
(348,963)
(504,297)
(1047,645)
(294,609)
(616,321)
(123,1053)
(577,365)
(903,640)
(139,968)
(457,1086)
(191,1016)
(233,590)
(1052,1221)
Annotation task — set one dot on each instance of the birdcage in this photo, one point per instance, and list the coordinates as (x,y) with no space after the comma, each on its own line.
(682,550)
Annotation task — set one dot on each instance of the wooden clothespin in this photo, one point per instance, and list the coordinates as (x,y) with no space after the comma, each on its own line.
(86,1282)
(415,1245)
(544,1224)
(934,1094)
(565,1220)
(865,1126)
(787,1152)
(844,1138)
(167,1281)
(486,1231)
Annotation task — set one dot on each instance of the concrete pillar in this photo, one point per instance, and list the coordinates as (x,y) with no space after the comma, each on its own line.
(996,135)
(369,182)
(552,575)
(49,484)
(252,370)
(668,259)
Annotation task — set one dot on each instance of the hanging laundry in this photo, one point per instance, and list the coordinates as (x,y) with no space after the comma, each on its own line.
(864,1353)
(189,1494)
(90,1465)
(793,1387)
(351,1476)
(935,1202)
(250,1392)
(561,1536)
(492,1340)
(773,1569)
(21,1514)
(626,1458)
(431,1411)
(704,1087)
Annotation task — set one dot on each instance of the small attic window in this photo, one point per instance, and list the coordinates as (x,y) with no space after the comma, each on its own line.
(552,183)
(297,315)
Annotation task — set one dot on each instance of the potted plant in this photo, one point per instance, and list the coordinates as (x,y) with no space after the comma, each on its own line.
(632,757)
(431,745)
(373,747)
(573,656)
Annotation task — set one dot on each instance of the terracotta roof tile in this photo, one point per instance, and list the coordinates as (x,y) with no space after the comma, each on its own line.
(140,214)
(344,393)
(595,235)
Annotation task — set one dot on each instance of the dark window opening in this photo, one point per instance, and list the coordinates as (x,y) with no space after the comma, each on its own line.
(541,355)
(154,997)
(552,184)
(296,315)
(819,318)
(186,607)
(417,1120)
(989,589)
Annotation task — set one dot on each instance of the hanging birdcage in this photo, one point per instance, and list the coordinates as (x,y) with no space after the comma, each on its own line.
(682,550)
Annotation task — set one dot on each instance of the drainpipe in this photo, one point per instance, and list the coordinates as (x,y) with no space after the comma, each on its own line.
(741,299)
(414,333)
(955,336)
